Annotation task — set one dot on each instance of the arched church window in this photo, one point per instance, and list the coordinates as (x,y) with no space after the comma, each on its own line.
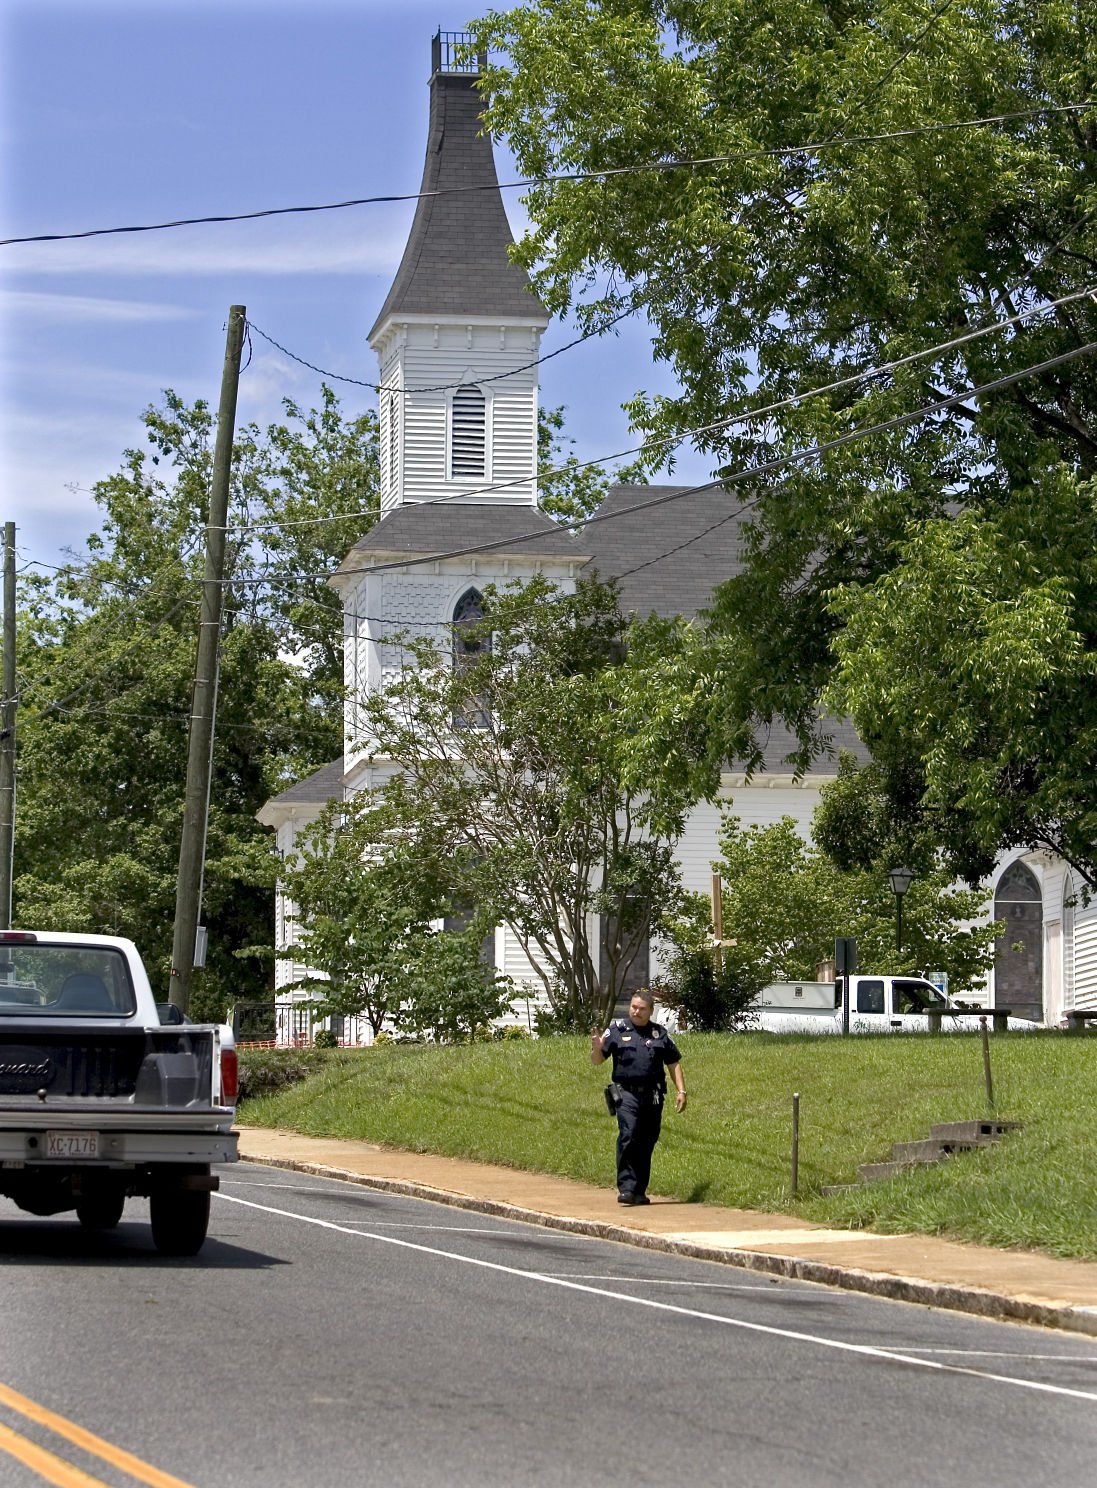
(468,434)
(1019,949)
(471,640)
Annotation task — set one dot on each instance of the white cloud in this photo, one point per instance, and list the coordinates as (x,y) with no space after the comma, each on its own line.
(45,306)
(362,241)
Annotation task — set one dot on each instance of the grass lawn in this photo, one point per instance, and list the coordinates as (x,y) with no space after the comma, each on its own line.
(538,1105)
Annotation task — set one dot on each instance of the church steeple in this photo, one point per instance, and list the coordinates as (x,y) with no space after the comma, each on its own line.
(460,325)
(455,262)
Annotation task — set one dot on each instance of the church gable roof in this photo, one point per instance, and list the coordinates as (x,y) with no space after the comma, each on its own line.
(323,785)
(456,261)
(668,546)
(435,527)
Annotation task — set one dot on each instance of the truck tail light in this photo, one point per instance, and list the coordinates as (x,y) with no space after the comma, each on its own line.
(229,1080)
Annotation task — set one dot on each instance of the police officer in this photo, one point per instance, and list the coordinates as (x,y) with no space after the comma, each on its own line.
(642,1052)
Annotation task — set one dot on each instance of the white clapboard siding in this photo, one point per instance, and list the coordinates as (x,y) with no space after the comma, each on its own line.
(755,805)
(514,435)
(433,363)
(391,428)
(1085,958)
(513,961)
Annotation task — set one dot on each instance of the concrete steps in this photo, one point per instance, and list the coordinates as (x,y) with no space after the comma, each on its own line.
(945,1139)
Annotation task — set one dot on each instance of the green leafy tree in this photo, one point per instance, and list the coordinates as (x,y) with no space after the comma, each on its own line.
(521,754)
(568,488)
(368,891)
(106,656)
(452,996)
(785,902)
(997,732)
(848,225)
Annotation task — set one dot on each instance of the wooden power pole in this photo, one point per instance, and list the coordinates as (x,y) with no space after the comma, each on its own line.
(192,848)
(7,733)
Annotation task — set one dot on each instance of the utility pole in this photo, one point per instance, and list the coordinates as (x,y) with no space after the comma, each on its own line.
(7,733)
(192,848)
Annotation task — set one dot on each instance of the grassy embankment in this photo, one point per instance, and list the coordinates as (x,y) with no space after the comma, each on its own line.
(538,1105)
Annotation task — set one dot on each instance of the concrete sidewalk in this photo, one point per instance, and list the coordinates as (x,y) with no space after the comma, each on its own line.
(1020,1286)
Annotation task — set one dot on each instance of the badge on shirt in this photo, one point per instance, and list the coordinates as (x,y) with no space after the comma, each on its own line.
(626,1038)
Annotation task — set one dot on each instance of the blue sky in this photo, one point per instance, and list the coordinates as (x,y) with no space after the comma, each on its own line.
(118,113)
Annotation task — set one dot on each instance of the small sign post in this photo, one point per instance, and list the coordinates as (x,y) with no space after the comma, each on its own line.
(845,962)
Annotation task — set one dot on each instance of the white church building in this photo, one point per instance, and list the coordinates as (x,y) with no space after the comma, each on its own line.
(457,342)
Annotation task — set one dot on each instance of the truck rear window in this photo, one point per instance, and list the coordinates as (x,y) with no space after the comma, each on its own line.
(64,981)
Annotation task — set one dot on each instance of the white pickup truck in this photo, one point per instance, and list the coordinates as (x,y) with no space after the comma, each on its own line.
(106,1094)
(877,1004)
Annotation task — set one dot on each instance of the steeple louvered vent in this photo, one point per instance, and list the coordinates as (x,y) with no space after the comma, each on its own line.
(468,447)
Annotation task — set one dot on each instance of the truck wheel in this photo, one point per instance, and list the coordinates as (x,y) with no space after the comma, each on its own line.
(180,1219)
(102,1210)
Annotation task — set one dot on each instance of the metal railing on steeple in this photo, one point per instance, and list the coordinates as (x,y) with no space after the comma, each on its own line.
(449,54)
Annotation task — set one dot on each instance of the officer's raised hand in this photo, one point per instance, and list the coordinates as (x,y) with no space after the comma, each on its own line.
(597,1053)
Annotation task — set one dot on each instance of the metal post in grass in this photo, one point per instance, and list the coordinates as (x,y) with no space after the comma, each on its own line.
(845,962)
(988,1081)
(795,1142)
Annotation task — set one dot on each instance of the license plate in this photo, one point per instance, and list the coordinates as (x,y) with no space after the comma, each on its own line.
(72,1144)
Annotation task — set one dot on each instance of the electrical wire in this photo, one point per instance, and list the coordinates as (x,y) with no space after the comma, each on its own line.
(775,152)
(63,702)
(883,369)
(766,467)
(885,77)
(160,573)
(780,462)
(444,387)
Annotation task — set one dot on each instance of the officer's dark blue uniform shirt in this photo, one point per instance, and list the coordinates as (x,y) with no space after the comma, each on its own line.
(639,1053)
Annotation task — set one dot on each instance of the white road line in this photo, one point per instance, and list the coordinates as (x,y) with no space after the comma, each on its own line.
(392,1224)
(388,1224)
(865,1350)
(712,1286)
(1010,1354)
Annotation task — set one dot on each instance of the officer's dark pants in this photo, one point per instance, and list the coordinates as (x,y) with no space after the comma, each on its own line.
(639,1117)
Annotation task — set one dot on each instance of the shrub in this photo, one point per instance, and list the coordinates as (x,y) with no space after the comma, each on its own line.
(264,1071)
(559,1019)
(707,996)
(325,1039)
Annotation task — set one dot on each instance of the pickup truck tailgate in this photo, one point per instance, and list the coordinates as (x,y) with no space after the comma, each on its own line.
(155,1069)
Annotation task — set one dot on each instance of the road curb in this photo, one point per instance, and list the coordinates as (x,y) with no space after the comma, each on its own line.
(974,1300)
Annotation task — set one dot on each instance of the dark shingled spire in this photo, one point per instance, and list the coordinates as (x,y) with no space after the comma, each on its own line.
(455,262)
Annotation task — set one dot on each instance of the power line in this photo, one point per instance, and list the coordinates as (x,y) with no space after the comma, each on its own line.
(735,478)
(767,467)
(169,568)
(143,635)
(774,152)
(883,369)
(444,387)
(885,77)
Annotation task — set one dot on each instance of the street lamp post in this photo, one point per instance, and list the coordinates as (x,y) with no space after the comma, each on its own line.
(901,879)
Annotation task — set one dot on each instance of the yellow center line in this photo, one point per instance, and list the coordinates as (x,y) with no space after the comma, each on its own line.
(54,1469)
(144,1472)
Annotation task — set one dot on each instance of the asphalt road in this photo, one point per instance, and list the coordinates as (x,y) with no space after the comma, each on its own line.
(331,1335)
